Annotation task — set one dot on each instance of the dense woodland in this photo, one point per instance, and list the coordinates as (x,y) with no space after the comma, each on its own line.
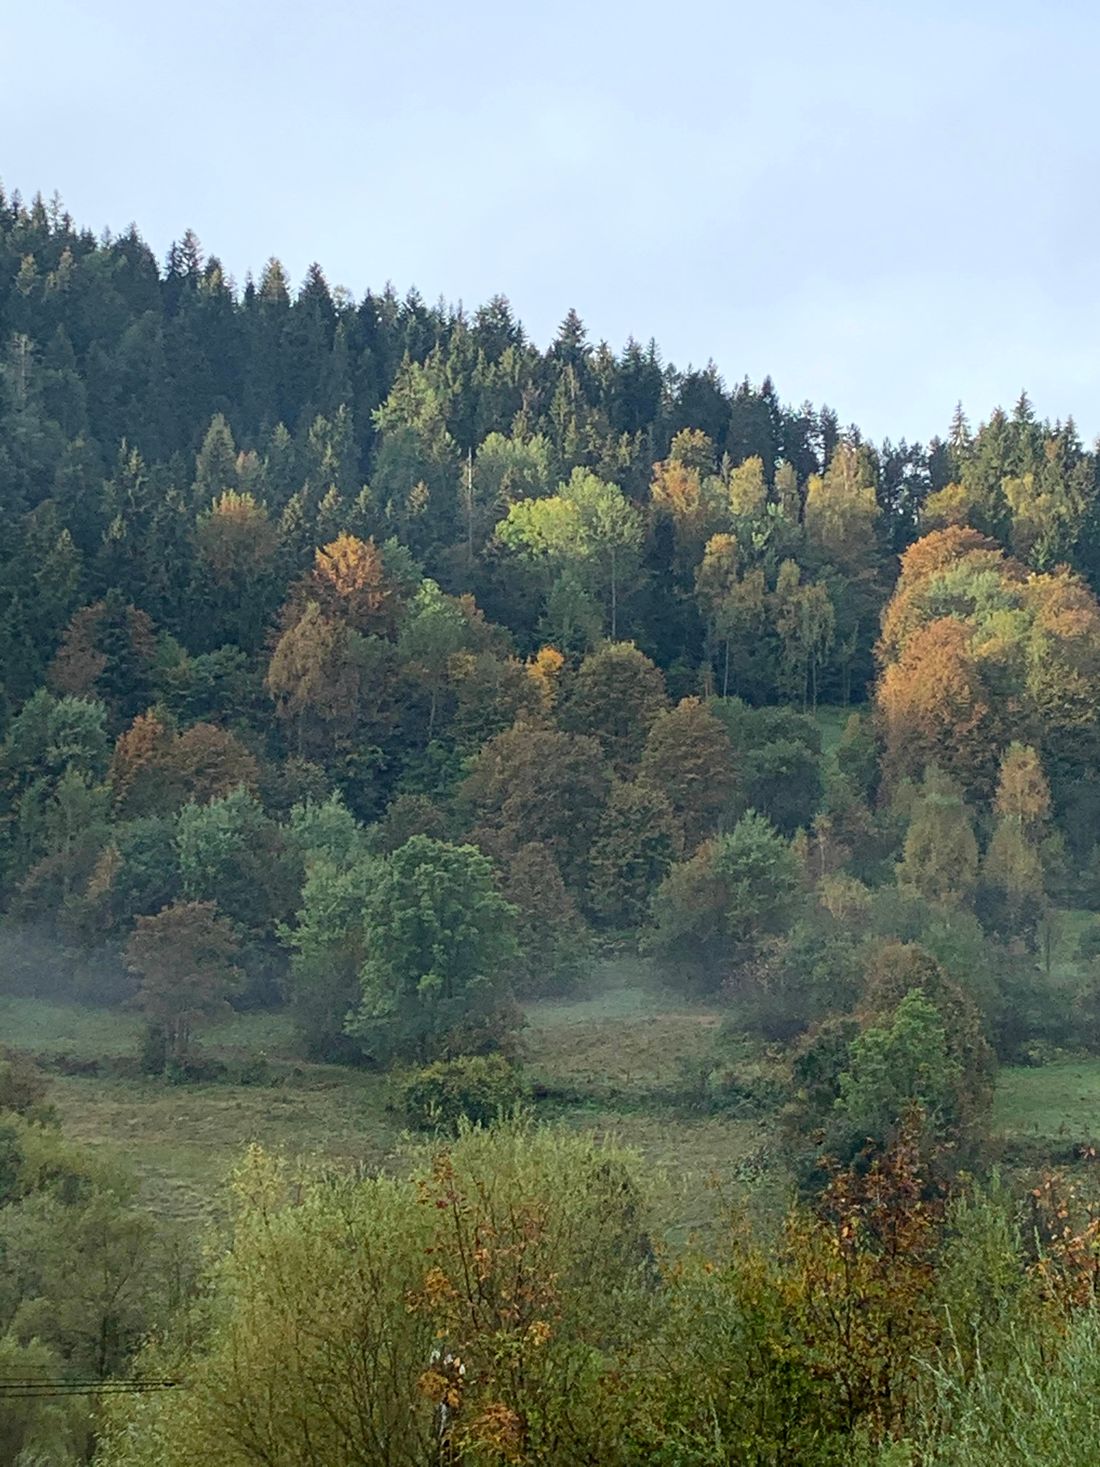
(361,660)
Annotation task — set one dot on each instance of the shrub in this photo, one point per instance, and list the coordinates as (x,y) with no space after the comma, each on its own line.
(745,1087)
(154,1050)
(194,1068)
(477,1087)
(23,1088)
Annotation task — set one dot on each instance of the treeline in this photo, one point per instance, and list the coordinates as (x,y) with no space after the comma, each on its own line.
(365,658)
(189,445)
(311,607)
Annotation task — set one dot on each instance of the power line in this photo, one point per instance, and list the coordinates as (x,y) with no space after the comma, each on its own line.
(13,1388)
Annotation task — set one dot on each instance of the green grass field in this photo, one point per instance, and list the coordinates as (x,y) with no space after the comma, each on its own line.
(614,1059)
(606,1061)
(1057,1103)
(622,1040)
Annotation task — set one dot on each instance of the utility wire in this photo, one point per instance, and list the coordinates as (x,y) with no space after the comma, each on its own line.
(29,1388)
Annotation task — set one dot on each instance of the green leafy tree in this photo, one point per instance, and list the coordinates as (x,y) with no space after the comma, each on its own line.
(590,528)
(231,852)
(572,618)
(782,780)
(712,911)
(51,741)
(806,623)
(326,830)
(940,857)
(504,472)
(894,969)
(435,631)
(137,873)
(901,1064)
(778,753)
(439,942)
(327,945)
(74,827)
(89,1266)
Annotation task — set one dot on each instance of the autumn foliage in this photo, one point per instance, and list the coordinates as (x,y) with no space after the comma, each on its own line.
(976,652)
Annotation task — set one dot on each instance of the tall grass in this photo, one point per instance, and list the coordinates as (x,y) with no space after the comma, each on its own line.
(1038,1404)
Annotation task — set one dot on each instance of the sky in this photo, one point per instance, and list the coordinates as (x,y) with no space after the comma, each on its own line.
(888,206)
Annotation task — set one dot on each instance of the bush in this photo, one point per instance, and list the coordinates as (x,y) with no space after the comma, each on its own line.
(194,1068)
(477,1087)
(154,1050)
(23,1088)
(256,1070)
(744,1087)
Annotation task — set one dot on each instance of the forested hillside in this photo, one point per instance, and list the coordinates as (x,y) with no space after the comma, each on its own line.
(364,664)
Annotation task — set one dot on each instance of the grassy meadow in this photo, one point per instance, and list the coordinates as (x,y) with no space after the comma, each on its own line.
(611,1060)
(618,1059)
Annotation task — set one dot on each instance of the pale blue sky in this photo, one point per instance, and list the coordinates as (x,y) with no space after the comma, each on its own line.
(886,206)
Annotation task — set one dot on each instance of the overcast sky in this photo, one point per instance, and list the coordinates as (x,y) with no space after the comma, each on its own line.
(887,206)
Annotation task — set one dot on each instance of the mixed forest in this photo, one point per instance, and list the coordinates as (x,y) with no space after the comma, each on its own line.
(373,676)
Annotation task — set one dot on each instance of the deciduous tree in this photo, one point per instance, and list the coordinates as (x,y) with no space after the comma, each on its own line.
(712,910)
(183,957)
(439,941)
(636,842)
(589,528)
(940,856)
(615,697)
(532,783)
(688,757)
